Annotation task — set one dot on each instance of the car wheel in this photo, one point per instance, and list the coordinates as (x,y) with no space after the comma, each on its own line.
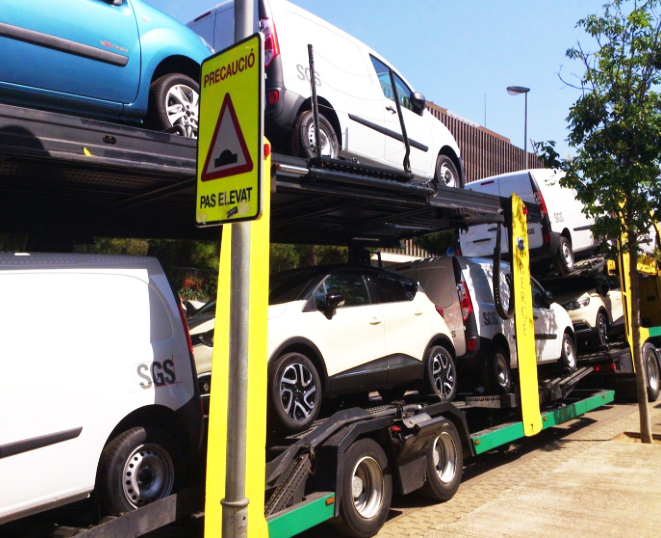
(366,491)
(440,374)
(498,373)
(137,467)
(392,394)
(601,325)
(303,138)
(174,101)
(444,465)
(652,369)
(295,391)
(446,173)
(568,354)
(564,258)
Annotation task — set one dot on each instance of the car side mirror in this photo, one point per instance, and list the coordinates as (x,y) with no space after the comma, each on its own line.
(418,101)
(207,338)
(330,303)
(548,298)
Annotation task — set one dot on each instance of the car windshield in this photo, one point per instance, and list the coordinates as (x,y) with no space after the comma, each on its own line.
(291,285)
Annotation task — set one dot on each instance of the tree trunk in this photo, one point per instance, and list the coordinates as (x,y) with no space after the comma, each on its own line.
(641,371)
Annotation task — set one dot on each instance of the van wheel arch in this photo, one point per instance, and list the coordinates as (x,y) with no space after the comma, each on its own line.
(327,111)
(450,153)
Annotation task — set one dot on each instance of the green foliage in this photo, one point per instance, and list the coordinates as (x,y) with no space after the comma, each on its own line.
(436,244)
(615,125)
(114,245)
(13,242)
(284,257)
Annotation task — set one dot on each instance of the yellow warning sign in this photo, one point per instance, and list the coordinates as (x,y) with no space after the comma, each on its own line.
(229,146)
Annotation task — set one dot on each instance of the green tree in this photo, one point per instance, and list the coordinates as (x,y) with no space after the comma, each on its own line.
(615,129)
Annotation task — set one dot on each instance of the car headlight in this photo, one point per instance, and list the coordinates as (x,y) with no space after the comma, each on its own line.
(575,305)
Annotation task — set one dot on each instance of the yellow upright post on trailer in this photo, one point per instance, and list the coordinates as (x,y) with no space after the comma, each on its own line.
(523,317)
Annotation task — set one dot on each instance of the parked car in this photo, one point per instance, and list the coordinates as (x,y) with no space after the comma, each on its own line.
(594,304)
(462,288)
(341,330)
(95,396)
(112,59)
(358,117)
(564,231)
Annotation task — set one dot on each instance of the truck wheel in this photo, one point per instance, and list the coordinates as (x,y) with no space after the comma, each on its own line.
(497,376)
(652,369)
(444,465)
(440,374)
(395,393)
(564,258)
(295,391)
(446,174)
(303,139)
(366,490)
(137,467)
(568,353)
(174,100)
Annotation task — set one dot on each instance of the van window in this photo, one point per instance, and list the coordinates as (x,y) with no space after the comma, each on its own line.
(383,73)
(224,32)
(390,289)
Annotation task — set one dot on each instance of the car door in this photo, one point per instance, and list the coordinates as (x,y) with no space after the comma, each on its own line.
(354,335)
(88,48)
(407,324)
(418,128)
(547,341)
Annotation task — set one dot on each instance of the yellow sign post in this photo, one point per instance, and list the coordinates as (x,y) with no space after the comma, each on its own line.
(230,138)
(525,326)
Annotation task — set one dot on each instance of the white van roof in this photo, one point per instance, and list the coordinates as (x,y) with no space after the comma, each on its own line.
(21,260)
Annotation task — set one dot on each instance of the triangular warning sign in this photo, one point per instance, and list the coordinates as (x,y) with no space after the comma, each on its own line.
(228,154)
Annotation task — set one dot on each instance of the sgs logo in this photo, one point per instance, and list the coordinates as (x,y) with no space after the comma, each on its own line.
(158,374)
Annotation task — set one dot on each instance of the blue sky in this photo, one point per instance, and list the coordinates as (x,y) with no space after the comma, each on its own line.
(456,52)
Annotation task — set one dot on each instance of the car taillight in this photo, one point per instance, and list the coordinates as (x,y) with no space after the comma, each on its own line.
(440,311)
(183,320)
(271,46)
(608,367)
(272,97)
(471,343)
(542,204)
(464,300)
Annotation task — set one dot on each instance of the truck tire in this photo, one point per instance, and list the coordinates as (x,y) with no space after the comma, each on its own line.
(568,356)
(497,376)
(139,466)
(444,465)
(295,392)
(174,100)
(564,258)
(440,376)
(303,139)
(652,371)
(366,491)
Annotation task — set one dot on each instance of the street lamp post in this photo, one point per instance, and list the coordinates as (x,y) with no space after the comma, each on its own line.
(516,90)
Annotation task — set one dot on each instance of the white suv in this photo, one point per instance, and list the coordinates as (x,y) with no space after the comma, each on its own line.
(486,347)
(345,329)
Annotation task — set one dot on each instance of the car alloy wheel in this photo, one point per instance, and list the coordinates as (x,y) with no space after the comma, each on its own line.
(182,105)
(298,391)
(444,375)
(602,329)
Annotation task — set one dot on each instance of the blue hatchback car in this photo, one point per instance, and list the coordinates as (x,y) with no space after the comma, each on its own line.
(113,59)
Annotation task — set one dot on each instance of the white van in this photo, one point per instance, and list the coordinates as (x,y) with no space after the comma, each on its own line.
(564,231)
(97,383)
(358,116)
(462,288)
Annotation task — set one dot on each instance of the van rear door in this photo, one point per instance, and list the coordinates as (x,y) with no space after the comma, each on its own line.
(480,240)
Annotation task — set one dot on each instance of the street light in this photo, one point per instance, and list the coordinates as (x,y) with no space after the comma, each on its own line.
(516,90)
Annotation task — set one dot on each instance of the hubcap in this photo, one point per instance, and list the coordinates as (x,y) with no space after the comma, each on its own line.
(443,374)
(367,487)
(567,255)
(447,176)
(502,371)
(324,141)
(148,475)
(652,373)
(445,457)
(298,391)
(182,106)
(602,327)
(569,353)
